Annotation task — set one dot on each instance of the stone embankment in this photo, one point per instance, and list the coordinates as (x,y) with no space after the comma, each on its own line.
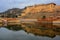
(18,21)
(9,21)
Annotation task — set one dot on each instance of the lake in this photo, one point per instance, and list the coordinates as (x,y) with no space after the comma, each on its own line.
(26,32)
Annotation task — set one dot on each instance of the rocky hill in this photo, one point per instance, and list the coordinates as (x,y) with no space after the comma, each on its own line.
(41,10)
(11,13)
(35,11)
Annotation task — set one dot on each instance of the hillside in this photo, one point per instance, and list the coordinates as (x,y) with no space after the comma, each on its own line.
(38,11)
(11,13)
(33,12)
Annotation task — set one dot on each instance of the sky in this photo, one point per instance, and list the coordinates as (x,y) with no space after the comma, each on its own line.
(9,4)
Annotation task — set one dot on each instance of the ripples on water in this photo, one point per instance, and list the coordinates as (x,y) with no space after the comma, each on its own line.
(30,32)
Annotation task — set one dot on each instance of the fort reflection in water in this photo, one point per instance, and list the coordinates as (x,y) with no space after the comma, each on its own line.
(37,29)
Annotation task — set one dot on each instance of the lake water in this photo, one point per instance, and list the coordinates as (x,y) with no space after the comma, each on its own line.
(18,33)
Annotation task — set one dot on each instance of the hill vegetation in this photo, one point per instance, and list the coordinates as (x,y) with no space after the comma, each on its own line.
(11,13)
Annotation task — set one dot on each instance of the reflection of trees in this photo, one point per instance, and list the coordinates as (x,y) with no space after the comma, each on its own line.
(14,27)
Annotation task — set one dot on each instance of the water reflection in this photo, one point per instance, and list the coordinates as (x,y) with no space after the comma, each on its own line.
(14,27)
(42,29)
(30,31)
(6,34)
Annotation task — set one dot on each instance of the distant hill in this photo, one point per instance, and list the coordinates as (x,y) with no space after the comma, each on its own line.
(11,13)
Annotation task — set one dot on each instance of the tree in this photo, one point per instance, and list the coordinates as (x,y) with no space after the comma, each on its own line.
(43,17)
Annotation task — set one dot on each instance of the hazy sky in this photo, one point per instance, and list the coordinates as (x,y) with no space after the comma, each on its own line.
(8,4)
